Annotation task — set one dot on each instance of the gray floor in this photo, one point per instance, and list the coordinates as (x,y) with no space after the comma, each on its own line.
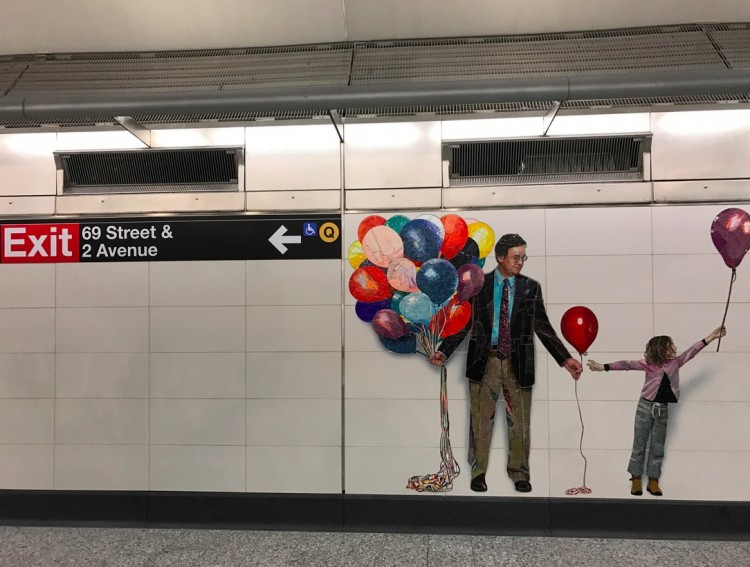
(95,547)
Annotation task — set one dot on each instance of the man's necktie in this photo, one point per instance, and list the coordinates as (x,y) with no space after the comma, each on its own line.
(503,339)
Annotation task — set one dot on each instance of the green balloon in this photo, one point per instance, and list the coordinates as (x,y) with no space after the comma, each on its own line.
(396,299)
(397,222)
(480,263)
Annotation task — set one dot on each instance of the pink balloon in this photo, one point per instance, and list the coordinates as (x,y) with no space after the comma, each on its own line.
(382,245)
(402,275)
(730,232)
(389,324)
(470,281)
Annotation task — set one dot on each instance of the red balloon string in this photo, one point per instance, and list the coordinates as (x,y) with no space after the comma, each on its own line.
(731,282)
(580,489)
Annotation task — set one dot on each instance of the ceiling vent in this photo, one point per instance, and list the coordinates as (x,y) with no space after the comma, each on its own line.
(151,171)
(547,160)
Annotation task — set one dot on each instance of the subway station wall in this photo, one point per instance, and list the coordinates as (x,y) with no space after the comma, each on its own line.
(254,374)
(227,375)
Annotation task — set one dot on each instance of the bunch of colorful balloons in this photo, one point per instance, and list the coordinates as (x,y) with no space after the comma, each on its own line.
(412,278)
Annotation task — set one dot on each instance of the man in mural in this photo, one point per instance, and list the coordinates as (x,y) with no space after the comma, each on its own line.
(505,315)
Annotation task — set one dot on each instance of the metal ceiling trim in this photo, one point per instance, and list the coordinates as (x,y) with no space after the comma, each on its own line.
(562,89)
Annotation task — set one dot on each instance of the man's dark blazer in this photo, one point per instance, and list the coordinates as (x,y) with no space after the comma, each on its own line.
(527,317)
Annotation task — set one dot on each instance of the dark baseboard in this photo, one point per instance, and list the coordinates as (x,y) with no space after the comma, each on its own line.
(575,517)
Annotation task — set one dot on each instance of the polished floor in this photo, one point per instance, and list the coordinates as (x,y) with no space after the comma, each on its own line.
(126,547)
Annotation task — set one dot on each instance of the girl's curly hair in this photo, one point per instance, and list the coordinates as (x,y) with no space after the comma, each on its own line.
(660,350)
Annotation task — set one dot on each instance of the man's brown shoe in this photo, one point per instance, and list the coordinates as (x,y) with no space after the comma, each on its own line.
(635,486)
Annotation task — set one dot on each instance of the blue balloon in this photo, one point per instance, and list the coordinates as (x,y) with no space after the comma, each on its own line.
(422,240)
(468,255)
(417,308)
(438,279)
(366,311)
(396,301)
(403,345)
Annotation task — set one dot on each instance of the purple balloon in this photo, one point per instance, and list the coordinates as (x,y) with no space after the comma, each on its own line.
(366,311)
(470,281)
(389,324)
(730,232)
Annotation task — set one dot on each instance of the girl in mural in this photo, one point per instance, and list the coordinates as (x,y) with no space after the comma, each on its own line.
(661,387)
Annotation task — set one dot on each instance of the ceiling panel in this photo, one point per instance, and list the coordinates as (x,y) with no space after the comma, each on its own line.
(57,26)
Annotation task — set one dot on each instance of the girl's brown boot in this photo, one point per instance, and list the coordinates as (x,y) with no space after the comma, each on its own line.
(635,486)
(653,486)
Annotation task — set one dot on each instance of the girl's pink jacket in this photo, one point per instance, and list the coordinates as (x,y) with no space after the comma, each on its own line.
(654,373)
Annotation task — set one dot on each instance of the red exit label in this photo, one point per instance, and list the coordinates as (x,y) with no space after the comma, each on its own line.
(38,243)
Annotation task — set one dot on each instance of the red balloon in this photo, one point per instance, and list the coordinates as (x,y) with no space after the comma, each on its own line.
(579,327)
(730,233)
(369,284)
(456,233)
(452,318)
(367,223)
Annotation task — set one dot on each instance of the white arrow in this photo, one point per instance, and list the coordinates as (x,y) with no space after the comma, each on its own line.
(278,239)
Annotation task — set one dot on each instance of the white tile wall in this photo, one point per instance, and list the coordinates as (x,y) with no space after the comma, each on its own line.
(294,328)
(580,280)
(197,283)
(386,375)
(293,375)
(102,375)
(27,330)
(197,422)
(685,229)
(599,231)
(102,329)
(294,469)
(101,467)
(113,284)
(688,323)
(26,467)
(289,422)
(196,468)
(26,421)
(696,278)
(106,422)
(198,375)
(27,376)
(197,329)
(293,282)
(30,285)
(608,425)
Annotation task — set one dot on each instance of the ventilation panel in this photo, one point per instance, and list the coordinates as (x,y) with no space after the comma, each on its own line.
(151,171)
(547,160)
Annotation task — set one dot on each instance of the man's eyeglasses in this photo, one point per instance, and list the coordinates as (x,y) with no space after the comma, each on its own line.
(518,258)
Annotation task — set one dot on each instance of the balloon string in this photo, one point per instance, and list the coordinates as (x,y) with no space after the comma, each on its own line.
(580,489)
(441,481)
(731,282)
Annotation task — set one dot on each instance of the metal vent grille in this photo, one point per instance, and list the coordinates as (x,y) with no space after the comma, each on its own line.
(549,55)
(304,66)
(733,41)
(558,160)
(201,169)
